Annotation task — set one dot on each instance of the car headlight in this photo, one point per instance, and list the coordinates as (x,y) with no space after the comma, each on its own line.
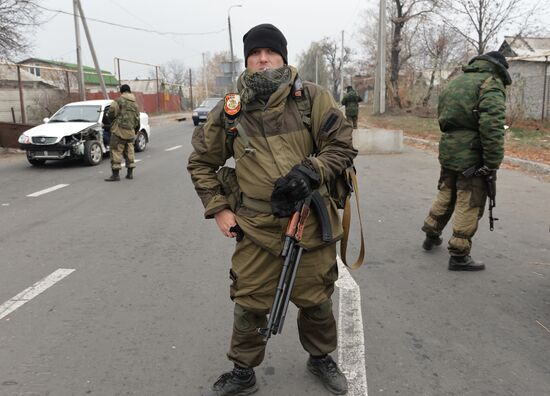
(24,139)
(195,114)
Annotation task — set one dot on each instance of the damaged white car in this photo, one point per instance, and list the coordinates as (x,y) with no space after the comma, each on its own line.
(76,131)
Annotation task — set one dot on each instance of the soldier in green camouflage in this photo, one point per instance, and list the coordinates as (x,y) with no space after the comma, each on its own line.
(124,114)
(351,100)
(275,166)
(471,115)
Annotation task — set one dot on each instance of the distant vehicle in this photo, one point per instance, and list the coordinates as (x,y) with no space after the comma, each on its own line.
(201,112)
(76,131)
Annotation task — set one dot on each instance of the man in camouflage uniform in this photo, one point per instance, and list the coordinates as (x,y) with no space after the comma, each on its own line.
(275,166)
(471,118)
(124,114)
(351,100)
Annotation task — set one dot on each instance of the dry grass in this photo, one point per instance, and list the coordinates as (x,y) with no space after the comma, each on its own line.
(526,139)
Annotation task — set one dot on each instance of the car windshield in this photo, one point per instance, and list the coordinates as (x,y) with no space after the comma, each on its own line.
(209,103)
(77,114)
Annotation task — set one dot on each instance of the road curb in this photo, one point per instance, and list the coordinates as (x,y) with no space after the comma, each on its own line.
(532,166)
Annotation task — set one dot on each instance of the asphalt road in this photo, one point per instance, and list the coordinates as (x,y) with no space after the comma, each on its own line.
(146,310)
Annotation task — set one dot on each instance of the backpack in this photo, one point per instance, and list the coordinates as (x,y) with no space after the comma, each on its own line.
(340,190)
(127,116)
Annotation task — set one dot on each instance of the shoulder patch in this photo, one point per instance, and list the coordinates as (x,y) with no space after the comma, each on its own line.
(232,105)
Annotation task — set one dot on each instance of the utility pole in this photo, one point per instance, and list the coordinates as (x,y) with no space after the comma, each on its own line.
(544,89)
(380,78)
(81,86)
(204,75)
(157,79)
(191,89)
(342,69)
(91,45)
(231,47)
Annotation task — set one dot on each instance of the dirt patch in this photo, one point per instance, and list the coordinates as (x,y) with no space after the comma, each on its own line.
(529,140)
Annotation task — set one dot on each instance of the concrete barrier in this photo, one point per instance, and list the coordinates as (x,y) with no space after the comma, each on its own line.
(378,141)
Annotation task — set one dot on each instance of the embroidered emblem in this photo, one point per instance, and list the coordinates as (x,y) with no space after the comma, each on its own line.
(232,105)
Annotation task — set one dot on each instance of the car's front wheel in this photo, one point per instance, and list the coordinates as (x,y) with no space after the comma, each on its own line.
(141,141)
(35,161)
(92,152)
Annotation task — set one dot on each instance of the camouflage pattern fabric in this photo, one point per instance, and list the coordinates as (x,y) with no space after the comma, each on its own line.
(465,197)
(119,149)
(471,115)
(125,115)
(351,100)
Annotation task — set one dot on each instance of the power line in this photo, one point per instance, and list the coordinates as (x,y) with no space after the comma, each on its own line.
(134,27)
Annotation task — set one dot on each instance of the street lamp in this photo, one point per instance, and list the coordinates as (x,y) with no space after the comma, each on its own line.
(231,45)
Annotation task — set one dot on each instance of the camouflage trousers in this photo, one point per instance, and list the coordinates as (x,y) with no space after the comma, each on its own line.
(255,274)
(121,148)
(352,120)
(463,197)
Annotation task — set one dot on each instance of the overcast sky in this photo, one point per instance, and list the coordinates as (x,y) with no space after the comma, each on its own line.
(301,21)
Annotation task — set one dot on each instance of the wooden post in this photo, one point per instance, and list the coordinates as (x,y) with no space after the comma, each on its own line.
(21,100)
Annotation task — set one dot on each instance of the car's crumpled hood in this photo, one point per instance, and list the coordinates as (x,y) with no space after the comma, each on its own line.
(58,129)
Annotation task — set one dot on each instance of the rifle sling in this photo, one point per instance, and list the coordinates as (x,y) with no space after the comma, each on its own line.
(346,220)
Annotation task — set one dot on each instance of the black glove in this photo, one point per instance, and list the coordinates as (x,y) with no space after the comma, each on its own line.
(295,186)
(486,171)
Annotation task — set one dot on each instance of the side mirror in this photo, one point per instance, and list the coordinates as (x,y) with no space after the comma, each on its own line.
(45,120)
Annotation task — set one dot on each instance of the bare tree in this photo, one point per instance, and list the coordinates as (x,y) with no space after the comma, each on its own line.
(17,17)
(404,11)
(332,54)
(479,22)
(312,64)
(443,47)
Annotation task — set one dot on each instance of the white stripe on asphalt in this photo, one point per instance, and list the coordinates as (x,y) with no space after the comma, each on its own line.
(173,148)
(123,163)
(47,190)
(351,339)
(28,294)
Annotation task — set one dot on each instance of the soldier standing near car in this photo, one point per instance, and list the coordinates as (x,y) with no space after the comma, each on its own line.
(275,168)
(351,100)
(124,115)
(471,114)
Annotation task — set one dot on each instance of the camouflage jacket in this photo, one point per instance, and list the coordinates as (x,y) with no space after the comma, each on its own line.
(125,115)
(279,140)
(471,115)
(351,101)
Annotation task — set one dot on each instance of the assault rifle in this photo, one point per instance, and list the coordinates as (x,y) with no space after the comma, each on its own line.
(490,181)
(292,253)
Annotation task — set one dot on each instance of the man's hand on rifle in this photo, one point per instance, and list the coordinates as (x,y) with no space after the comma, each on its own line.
(225,219)
(291,188)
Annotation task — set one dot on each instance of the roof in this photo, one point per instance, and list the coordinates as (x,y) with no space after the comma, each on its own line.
(9,73)
(90,75)
(533,49)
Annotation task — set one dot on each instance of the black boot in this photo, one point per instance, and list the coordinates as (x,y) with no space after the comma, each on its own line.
(115,176)
(238,382)
(431,241)
(328,372)
(464,263)
(130,173)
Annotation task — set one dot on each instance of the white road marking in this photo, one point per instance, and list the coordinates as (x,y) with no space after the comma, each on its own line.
(47,190)
(28,294)
(123,163)
(351,339)
(173,148)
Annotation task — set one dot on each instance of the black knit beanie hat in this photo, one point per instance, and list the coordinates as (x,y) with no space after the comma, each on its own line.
(496,55)
(125,88)
(265,36)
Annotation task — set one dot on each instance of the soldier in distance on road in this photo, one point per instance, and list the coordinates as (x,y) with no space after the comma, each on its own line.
(124,114)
